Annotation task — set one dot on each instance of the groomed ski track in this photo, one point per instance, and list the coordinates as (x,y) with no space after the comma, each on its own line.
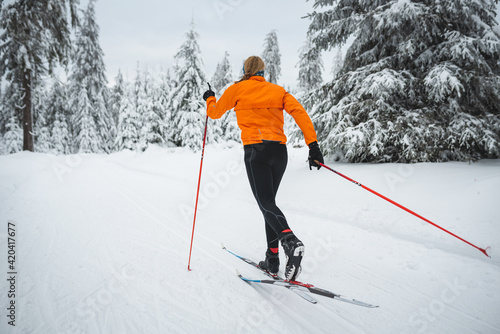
(103,241)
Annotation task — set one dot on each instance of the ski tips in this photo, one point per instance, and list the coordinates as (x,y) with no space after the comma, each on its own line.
(365,304)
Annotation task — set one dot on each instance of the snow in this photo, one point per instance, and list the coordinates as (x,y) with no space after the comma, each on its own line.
(103,241)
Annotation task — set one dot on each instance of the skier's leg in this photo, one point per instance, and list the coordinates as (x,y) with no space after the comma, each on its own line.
(264,181)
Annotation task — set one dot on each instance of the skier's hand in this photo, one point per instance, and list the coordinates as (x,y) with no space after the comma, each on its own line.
(315,154)
(207,94)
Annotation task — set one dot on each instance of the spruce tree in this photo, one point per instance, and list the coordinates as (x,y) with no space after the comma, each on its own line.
(152,123)
(338,62)
(162,92)
(41,122)
(230,127)
(421,80)
(188,110)
(10,104)
(310,67)
(86,140)
(128,123)
(34,38)
(3,114)
(13,138)
(225,128)
(272,57)
(223,75)
(88,74)
(116,96)
(57,117)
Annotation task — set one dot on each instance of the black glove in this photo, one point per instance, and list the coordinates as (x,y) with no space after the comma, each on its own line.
(207,94)
(315,154)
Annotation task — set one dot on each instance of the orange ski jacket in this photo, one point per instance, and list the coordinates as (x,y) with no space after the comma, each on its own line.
(259,110)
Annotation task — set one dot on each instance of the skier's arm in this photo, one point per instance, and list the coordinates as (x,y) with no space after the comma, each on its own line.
(215,109)
(299,114)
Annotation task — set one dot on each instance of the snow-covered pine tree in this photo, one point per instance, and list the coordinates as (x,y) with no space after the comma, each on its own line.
(12,131)
(310,67)
(152,123)
(88,67)
(186,103)
(13,138)
(310,78)
(3,114)
(272,57)
(230,126)
(83,122)
(42,123)
(162,92)
(338,62)
(32,42)
(106,127)
(10,100)
(129,124)
(115,97)
(223,77)
(87,139)
(421,81)
(57,116)
(43,140)
(60,135)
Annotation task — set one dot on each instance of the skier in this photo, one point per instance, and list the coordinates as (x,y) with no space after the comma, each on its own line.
(259,111)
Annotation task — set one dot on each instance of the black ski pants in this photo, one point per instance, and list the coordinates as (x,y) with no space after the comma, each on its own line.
(265,164)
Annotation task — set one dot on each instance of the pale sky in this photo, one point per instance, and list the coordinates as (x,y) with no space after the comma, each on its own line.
(151,32)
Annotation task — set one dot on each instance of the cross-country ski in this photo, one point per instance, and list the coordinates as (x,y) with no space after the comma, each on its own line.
(306,288)
(273,276)
(297,287)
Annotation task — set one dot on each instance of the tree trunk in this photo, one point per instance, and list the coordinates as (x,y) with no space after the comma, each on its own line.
(27,115)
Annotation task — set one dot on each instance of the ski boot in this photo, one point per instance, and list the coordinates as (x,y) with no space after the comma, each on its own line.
(294,251)
(271,264)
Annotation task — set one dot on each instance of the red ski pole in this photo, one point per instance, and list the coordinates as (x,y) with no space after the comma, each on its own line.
(197,192)
(483,250)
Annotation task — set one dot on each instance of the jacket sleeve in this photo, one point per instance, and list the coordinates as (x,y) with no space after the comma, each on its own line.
(215,109)
(299,114)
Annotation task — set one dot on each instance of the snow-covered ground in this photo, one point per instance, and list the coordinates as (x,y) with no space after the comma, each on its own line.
(102,245)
